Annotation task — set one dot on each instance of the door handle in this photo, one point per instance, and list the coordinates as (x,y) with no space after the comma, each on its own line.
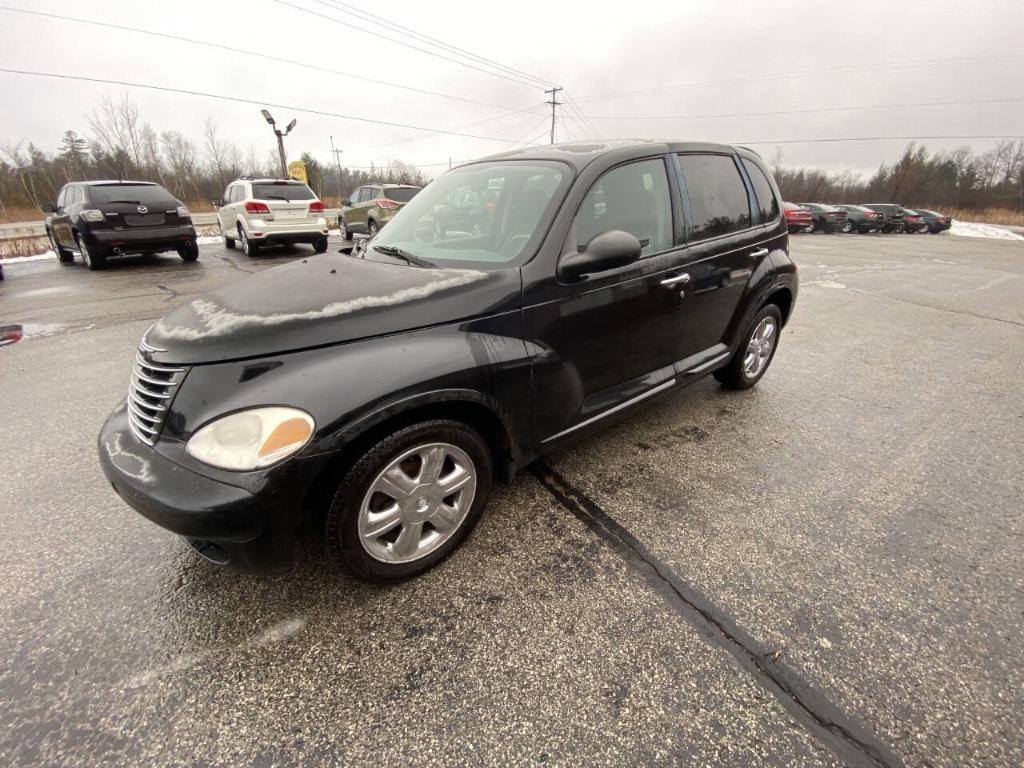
(760,253)
(682,279)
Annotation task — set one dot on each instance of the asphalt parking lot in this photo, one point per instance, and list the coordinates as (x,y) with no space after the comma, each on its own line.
(824,570)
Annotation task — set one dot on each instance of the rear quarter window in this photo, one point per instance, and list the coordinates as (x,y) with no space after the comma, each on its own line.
(767,203)
(400,194)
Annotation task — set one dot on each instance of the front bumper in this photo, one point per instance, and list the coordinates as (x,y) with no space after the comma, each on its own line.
(141,239)
(248,528)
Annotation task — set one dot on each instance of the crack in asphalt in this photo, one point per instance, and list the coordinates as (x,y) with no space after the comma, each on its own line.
(937,309)
(849,741)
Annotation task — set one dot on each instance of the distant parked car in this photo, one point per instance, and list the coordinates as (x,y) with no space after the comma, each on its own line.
(935,222)
(100,219)
(893,221)
(861,219)
(369,208)
(825,218)
(1,271)
(912,222)
(797,219)
(261,212)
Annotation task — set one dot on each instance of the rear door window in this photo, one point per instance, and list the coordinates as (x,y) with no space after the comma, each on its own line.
(716,194)
(766,201)
(633,198)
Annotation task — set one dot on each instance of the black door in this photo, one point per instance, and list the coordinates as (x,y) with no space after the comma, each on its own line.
(725,248)
(611,337)
(60,224)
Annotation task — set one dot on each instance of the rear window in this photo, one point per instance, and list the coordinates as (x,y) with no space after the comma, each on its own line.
(282,191)
(138,194)
(717,195)
(400,194)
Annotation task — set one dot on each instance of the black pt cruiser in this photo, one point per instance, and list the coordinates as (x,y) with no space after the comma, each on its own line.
(384,391)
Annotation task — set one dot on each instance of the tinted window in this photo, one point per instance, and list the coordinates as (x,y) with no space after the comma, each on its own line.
(717,196)
(129,193)
(400,194)
(62,198)
(766,201)
(633,198)
(280,190)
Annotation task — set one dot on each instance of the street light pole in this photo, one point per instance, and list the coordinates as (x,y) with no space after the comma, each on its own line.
(280,139)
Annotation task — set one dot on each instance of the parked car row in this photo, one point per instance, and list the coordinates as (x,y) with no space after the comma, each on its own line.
(870,217)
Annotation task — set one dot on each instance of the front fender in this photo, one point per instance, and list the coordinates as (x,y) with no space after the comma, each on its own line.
(349,388)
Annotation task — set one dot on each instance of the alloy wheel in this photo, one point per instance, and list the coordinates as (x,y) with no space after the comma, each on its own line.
(417,502)
(759,348)
(245,241)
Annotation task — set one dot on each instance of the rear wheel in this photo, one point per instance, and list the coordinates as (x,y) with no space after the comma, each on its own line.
(189,252)
(755,352)
(320,244)
(848,226)
(248,248)
(410,501)
(92,260)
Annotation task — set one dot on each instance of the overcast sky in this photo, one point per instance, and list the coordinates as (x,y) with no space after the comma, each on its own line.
(594,50)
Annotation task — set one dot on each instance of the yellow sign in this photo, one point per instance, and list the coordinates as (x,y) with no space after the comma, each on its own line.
(297,171)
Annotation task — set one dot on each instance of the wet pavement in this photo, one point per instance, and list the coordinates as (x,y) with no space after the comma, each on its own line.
(824,570)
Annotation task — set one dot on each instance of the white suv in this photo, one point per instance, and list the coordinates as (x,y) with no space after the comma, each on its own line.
(269,211)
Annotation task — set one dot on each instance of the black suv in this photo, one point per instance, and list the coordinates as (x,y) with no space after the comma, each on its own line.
(893,221)
(861,219)
(825,218)
(99,219)
(382,392)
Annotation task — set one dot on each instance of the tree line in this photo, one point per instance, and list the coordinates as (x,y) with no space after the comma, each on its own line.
(959,179)
(120,145)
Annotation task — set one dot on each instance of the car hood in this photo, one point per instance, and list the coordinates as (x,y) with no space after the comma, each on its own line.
(322,300)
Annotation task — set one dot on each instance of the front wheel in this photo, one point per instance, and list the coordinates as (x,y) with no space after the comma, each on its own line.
(755,352)
(410,501)
(372,228)
(848,227)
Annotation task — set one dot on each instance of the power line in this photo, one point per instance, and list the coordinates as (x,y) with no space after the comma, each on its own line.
(808,111)
(249,52)
(373,32)
(870,138)
(376,19)
(806,73)
(240,100)
(460,127)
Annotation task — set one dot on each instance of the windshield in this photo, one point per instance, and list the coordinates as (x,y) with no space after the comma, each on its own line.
(129,193)
(282,191)
(483,215)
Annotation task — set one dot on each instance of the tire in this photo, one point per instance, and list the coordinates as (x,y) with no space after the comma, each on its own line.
(320,245)
(380,558)
(848,227)
(93,261)
(811,228)
(64,257)
(372,228)
(250,249)
(189,252)
(740,373)
(345,231)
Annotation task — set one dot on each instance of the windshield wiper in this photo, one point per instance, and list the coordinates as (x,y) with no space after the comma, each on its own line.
(275,197)
(404,255)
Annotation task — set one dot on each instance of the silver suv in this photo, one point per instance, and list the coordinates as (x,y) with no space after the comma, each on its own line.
(262,212)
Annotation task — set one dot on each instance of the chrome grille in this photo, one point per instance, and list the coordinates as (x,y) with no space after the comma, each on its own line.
(149,395)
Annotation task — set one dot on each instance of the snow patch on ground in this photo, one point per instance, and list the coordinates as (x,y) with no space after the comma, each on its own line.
(22,259)
(969,229)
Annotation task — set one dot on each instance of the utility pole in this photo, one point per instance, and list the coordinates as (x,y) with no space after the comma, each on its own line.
(280,139)
(337,160)
(554,103)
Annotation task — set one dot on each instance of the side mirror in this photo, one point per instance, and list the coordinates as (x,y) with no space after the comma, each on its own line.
(607,250)
(216,203)
(346,203)
(48,208)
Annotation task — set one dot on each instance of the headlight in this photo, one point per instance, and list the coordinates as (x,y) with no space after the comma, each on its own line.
(91,214)
(183,212)
(251,439)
